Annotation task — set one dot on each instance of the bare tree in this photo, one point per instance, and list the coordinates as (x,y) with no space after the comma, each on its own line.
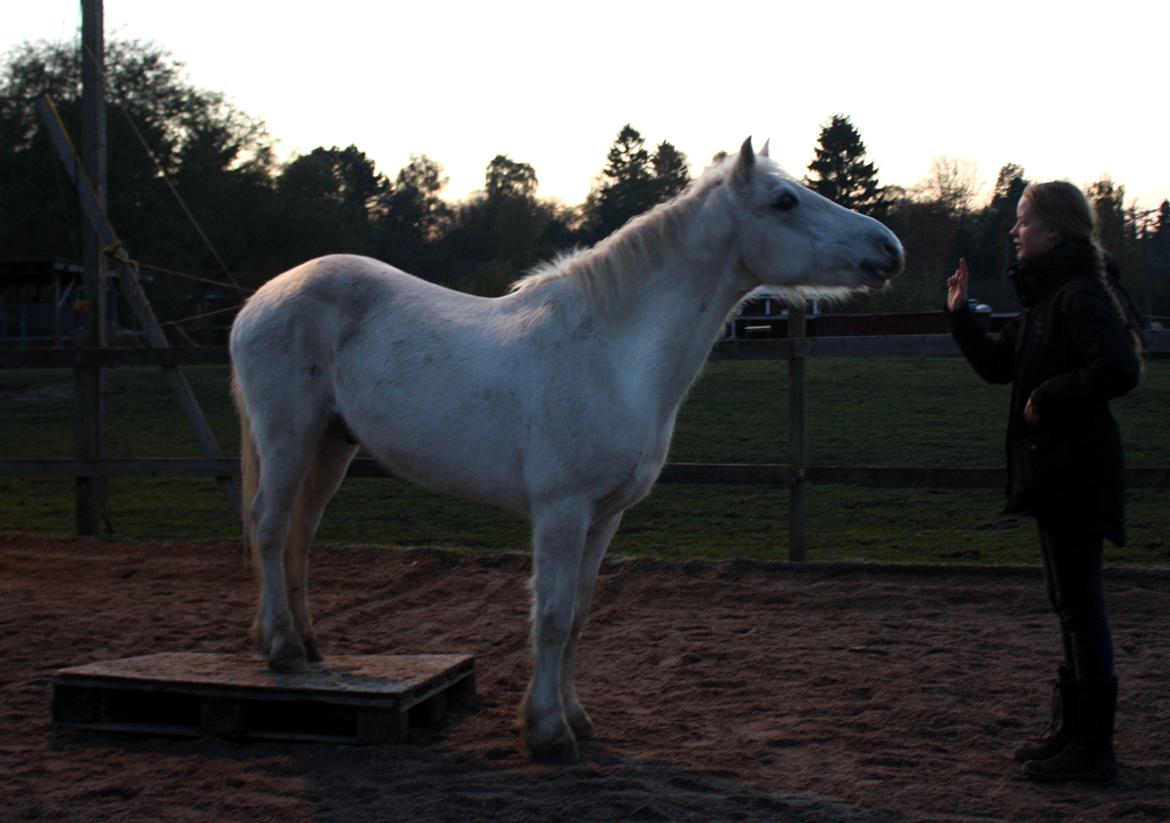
(953,183)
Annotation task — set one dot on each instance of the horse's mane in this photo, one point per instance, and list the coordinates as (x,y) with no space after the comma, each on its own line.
(603,269)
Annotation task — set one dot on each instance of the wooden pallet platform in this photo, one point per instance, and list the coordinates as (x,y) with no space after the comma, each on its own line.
(345,699)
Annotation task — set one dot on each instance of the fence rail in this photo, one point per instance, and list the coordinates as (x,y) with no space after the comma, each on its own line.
(777,474)
(793,475)
(903,345)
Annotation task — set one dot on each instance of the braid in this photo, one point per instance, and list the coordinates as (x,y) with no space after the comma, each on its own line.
(1062,206)
(1127,316)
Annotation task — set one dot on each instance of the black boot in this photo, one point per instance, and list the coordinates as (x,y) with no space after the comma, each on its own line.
(1088,758)
(1063,720)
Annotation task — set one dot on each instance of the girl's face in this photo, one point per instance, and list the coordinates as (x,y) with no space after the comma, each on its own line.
(1032,238)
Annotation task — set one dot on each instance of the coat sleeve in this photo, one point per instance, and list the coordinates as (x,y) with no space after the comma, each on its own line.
(993,358)
(1108,366)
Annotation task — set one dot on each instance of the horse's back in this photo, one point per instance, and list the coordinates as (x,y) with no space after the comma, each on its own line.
(338,286)
(314,308)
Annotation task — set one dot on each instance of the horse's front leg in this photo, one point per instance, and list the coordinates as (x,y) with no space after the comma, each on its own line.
(558,534)
(596,544)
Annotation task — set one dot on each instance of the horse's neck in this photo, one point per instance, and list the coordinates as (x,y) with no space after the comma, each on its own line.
(681,305)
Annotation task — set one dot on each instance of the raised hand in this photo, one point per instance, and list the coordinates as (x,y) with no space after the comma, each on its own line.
(957,287)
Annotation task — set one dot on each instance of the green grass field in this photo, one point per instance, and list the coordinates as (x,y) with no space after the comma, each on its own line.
(868,412)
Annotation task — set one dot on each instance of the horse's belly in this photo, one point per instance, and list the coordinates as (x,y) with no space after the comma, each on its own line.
(439,413)
(484,476)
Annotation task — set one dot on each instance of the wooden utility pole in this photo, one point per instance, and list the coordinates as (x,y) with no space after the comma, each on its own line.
(90,310)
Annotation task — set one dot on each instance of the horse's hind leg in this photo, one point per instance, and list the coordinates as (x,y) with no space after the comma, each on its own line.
(596,544)
(332,458)
(287,448)
(271,514)
(558,541)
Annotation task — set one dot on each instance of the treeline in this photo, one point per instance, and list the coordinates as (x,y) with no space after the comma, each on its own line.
(261,216)
(939,220)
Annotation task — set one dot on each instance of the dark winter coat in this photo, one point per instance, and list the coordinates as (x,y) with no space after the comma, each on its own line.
(1071,351)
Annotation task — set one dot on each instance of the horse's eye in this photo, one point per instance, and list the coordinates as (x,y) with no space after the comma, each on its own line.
(785,201)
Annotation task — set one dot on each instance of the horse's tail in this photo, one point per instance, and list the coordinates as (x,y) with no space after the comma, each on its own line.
(249,468)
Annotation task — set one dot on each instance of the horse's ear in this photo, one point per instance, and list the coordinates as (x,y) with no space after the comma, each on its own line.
(746,163)
(764,150)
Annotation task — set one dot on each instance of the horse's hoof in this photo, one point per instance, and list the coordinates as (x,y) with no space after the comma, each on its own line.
(578,719)
(560,750)
(287,655)
(288,665)
(580,723)
(313,652)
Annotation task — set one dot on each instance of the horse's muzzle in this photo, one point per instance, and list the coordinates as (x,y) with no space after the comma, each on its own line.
(892,265)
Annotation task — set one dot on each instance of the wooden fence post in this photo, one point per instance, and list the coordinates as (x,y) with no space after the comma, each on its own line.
(131,289)
(797,511)
(90,309)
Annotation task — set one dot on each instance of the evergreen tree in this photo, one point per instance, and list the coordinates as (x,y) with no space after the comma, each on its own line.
(628,162)
(1009,185)
(1107,198)
(1163,225)
(840,171)
(671,174)
(993,251)
(1160,236)
(626,187)
(632,182)
(1158,263)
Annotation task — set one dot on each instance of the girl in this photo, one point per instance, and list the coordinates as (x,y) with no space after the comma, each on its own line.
(1074,346)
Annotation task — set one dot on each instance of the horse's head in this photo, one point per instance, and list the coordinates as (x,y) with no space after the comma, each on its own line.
(790,236)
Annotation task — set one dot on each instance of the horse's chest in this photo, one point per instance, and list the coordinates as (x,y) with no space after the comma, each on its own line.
(640,479)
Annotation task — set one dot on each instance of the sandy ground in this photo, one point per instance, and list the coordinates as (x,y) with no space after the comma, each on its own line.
(721,691)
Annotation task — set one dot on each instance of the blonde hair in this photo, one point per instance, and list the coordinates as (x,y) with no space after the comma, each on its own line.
(1060,205)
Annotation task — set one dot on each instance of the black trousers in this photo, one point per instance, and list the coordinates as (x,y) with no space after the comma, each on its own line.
(1072,572)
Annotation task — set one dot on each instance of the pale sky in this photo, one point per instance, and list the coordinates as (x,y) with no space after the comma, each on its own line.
(1069,90)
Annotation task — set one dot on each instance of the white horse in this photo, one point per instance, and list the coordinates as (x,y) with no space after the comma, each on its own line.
(556,401)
